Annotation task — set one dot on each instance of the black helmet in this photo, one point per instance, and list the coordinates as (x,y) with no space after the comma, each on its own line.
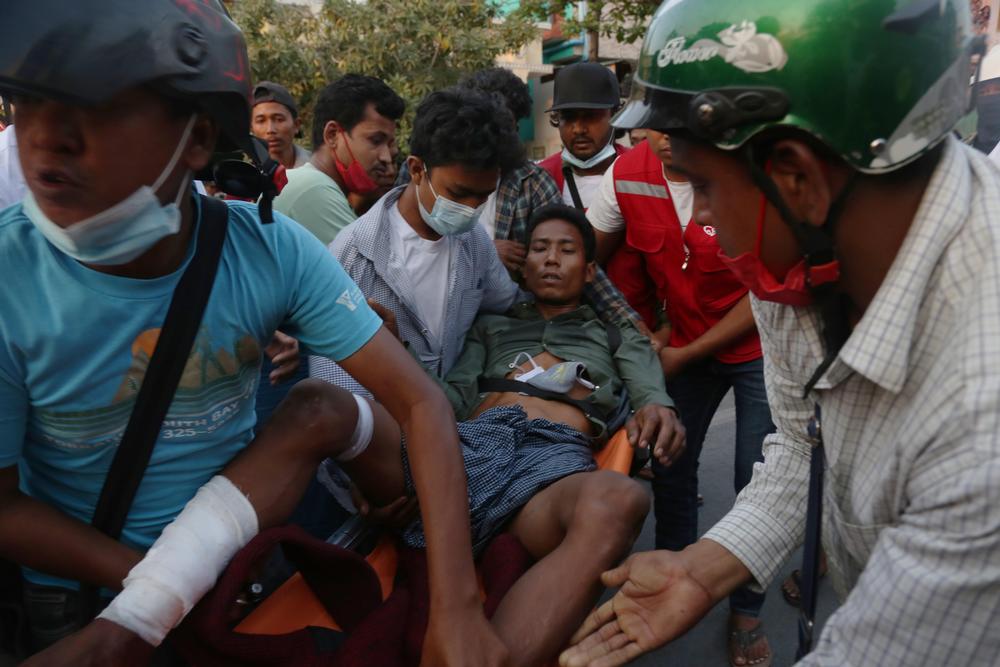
(87,51)
(586,85)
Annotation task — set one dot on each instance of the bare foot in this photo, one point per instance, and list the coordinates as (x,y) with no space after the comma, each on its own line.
(747,642)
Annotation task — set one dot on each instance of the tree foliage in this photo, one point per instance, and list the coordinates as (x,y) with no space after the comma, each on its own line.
(625,21)
(415,46)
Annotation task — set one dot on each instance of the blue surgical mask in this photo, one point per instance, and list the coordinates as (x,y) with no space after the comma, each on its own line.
(119,234)
(599,157)
(448,217)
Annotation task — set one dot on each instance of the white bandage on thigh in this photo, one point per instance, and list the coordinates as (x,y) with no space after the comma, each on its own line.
(185,561)
(363,431)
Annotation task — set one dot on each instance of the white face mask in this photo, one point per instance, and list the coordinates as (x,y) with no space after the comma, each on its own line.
(448,217)
(599,157)
(560,378)
(119,234)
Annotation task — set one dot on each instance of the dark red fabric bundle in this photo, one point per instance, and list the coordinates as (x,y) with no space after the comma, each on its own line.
(388,634)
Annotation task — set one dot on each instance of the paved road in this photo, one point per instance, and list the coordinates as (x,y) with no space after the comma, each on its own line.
(704,645)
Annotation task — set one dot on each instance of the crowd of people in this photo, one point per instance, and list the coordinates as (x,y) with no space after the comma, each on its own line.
(439,337)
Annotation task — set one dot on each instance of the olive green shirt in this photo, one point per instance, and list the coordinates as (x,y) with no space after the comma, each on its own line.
(495,340)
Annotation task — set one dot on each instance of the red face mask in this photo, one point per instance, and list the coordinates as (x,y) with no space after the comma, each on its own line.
(355,177)
(752,272)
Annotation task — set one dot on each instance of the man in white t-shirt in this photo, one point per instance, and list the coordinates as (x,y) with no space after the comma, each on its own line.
(585,97)
(419,252)
(605,214)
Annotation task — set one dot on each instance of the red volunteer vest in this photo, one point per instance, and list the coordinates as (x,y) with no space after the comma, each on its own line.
(554,163)
(652,267)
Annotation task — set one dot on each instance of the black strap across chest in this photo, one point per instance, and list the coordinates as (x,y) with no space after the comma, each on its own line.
(184,315)
(487,385)
(574,193)
(812,548)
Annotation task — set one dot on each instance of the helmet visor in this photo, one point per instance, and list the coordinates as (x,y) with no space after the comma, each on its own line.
(653,109)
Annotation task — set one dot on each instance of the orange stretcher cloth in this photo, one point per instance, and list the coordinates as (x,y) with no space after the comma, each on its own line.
(294,606)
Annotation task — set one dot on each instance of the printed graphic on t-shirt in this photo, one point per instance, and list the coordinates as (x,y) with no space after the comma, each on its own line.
(213,385)
(351,298)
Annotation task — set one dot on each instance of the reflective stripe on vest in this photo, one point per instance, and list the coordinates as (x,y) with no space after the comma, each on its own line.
(642,188)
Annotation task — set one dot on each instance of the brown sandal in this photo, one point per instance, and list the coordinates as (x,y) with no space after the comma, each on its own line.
(791,589)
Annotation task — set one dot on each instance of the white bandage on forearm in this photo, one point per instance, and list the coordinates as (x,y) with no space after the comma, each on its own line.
(185,561)
(363,431)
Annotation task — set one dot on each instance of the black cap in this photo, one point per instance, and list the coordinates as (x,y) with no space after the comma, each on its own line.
(268,91)
(585,85)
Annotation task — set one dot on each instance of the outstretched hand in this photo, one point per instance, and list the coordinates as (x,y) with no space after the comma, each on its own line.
(100,643)
(658,601)
(658,429)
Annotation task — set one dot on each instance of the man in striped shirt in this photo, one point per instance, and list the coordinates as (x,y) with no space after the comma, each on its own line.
(869,238)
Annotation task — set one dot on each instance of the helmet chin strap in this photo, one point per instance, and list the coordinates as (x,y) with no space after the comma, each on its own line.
(822,266)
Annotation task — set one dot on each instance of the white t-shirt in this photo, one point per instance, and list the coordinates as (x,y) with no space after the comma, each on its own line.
(488,218)
(427,265)
(12,185)
(605,214)
(586,185)
(682,195)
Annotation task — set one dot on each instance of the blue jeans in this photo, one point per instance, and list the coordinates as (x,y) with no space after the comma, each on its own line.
(697,392)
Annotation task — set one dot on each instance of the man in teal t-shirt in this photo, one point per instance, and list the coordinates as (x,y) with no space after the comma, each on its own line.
(354,145)
(76,343)
(89,263)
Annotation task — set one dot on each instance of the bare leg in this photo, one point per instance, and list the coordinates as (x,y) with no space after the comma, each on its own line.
(314,422)
(578,528)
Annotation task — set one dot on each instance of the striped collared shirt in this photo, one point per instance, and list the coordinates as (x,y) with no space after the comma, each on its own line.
(911,424)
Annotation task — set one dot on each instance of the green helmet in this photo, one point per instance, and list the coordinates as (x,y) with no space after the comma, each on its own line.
(879,82)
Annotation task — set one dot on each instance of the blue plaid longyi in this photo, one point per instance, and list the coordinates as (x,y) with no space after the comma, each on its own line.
(508,459)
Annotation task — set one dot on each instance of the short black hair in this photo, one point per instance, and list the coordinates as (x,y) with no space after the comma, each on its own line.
(504,83)
(570,214)
(464,126)
(345,101)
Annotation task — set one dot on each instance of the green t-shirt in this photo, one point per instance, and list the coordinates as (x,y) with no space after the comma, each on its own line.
(316,202)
